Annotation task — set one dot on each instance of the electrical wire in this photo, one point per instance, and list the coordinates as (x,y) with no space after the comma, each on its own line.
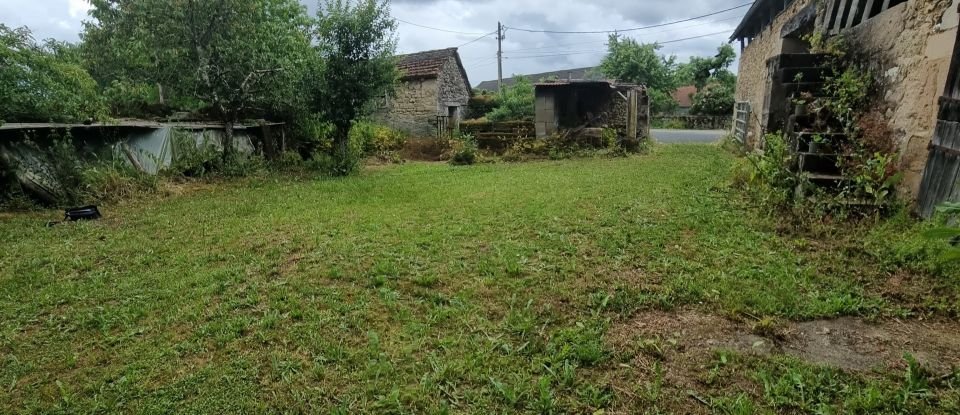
(605,51)
(630,29)
(477,39)
(438,29)
(605,42)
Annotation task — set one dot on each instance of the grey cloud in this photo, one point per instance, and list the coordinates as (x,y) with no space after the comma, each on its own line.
(52,18)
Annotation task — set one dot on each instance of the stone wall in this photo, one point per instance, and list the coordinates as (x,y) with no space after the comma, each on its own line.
(416,103)
(753,79)
(412,108)
(912,46)
(453,90)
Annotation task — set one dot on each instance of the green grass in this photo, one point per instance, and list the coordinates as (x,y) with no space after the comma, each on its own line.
(420,288)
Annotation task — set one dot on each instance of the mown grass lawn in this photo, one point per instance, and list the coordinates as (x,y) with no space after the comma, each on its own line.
(418,288)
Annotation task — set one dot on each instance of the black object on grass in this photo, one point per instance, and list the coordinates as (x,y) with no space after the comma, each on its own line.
(82,213)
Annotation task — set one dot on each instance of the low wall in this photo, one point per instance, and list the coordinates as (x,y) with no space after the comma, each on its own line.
(498,136)
(692,122)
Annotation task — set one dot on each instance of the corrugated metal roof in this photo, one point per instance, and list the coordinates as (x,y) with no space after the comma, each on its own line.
(130,123)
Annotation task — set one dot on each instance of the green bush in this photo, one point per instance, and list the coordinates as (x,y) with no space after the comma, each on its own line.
(43,82)
(515,103)
(193,159)
(378,141)
(115,179)
(465,151)
(768,175)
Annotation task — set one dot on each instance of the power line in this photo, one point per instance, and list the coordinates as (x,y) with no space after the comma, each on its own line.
(635,28)
(437,29)
(604,51)
(604,42)
(476,40)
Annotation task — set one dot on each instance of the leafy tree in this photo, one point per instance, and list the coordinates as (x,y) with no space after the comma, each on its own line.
(716,98)
(700,70)
(237,57)
(356,43)
(516,102)
(44,82)
(640,63)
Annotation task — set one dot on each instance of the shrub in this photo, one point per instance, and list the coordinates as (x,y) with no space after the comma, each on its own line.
(465,151)
(768,175)
(378,141)
(949,233)
(192,158)
(515,103)
(115,179)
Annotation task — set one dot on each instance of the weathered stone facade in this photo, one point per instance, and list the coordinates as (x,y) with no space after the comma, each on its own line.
(753,80)
(911,44)
(432,84)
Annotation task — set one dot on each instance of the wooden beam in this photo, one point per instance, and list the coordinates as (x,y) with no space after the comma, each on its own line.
(831,7)
(866,12)
(843,8)
(953,76)
(853,13)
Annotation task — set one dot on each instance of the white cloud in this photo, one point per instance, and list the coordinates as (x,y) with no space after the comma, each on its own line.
(525,52)
(78,8)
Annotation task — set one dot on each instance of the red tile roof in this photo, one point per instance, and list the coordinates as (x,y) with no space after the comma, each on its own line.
(424,64)
(429,64)
(684,95)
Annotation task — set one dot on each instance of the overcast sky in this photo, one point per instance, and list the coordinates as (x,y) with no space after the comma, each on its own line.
(525,52)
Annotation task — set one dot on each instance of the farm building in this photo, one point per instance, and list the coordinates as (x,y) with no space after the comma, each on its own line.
(148,146)
(912,43)
(585,107)
(432,95)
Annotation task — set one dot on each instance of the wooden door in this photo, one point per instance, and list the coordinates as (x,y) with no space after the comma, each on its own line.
(941,177)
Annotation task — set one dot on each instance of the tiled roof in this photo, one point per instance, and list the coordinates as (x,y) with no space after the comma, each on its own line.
(684,95)
(578,73)
(424,64)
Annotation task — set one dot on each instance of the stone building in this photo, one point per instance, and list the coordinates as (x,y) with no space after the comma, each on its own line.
(910,42)
(433,93)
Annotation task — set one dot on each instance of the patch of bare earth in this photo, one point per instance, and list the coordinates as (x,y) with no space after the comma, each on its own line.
(681,346)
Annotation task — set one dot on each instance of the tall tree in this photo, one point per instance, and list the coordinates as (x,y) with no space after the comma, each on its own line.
(236,56)
(356,42)
(640,63)
(702,70)
(44,82)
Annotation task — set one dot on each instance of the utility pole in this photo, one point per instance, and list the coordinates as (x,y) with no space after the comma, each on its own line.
(500,58)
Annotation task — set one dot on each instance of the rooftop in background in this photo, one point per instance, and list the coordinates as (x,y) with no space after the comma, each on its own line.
(684,95)
(577,73)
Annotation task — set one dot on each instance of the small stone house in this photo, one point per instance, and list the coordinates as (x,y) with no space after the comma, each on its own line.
(912,43)
(432,95)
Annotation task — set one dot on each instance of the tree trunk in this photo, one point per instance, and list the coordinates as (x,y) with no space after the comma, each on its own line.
(227,140)
(160,92)
(341,151)
(269,143)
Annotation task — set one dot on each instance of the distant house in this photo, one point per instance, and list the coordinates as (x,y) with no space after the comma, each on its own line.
(566,74)
(684,97)
(433,93)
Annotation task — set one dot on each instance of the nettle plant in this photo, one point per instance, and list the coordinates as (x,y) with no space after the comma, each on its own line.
(949,232)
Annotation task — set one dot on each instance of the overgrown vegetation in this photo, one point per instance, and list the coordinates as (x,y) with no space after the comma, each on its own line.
(515,103)
(846,122)
(422,288)
(44,81)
